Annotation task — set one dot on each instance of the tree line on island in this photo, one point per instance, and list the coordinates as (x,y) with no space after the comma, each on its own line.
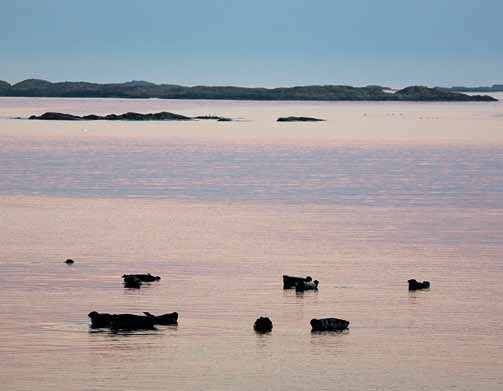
(143,89)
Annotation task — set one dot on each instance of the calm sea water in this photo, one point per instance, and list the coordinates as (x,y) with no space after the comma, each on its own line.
(377,194)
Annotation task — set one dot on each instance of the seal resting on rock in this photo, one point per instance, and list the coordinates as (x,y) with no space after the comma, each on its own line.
(329,324)
(165,319)
(307,285)
(69,261)
(415,285)
(131,281)
(291,282)
(143,277)
(263,325)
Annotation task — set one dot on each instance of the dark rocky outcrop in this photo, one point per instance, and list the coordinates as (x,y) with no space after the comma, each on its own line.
(162,116)
(263,325)
(329,324)
(166,319)
(214,117)
(4,86)
(299,119)
(49,116)
(142,89)
(132,282)
(493,88)
(421,93)
(69,261)
(143,277)
(416,285)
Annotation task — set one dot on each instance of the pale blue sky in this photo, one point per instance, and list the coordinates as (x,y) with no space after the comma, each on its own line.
(255,42)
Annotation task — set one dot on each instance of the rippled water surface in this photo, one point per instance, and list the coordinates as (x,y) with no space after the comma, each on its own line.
(377,194)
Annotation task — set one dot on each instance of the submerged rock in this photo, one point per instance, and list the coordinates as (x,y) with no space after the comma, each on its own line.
(299,119)
(329,324)
(416,285)
(263,325)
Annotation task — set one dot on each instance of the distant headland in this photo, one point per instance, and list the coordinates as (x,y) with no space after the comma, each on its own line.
(145,90)
(493,88)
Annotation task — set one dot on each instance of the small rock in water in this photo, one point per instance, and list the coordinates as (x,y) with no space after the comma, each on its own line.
(263,325)
(69,261)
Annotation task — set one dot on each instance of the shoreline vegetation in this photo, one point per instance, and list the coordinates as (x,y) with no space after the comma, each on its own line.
(146,90)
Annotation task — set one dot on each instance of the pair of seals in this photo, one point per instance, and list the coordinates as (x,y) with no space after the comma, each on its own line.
(264,324)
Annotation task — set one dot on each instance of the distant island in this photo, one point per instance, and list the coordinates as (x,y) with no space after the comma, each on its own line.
(493,88)
(299,119)
(145,90)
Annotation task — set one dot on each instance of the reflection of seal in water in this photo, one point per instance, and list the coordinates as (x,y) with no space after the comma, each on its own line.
(415,285)
(132,282)
(121,321)
(69,261)
(165,319)
(329,324)
(263,325)
(143,277)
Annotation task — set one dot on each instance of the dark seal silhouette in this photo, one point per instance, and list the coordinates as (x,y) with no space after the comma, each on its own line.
(121,321)
(69,261)
(263,325)
(291,282)
(99,320)
(143,277)
(329,324)
(307,285)
(416,285)
(166,319)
